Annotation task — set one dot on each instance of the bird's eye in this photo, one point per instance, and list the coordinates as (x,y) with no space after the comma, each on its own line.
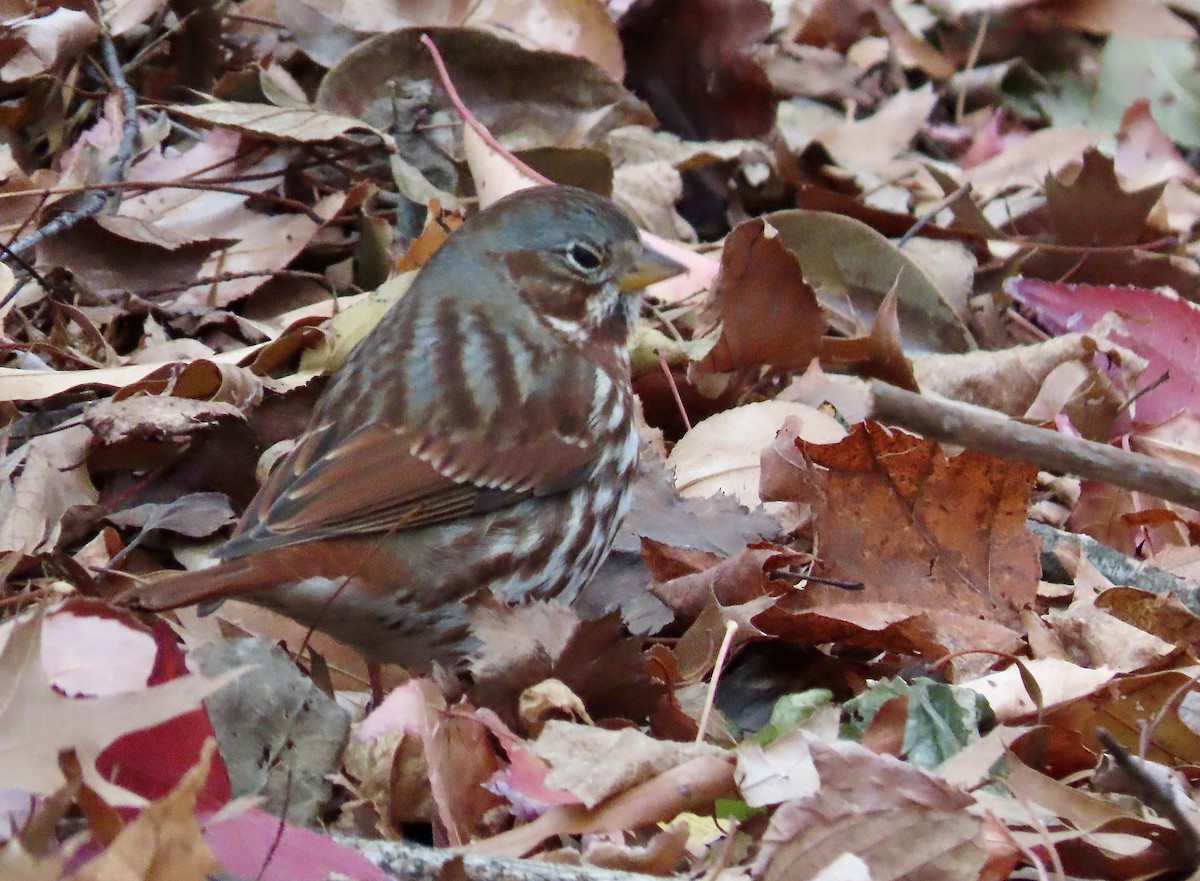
(583,257)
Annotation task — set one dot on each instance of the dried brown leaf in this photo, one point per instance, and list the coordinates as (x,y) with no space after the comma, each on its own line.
(165,842)
(767,311)
(595,764)
(901,821)
(893,513)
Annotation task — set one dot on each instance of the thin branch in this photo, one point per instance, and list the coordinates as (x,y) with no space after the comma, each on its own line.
(94,202)
(1117,567)
(315,277)
(1155,795)
(666,369)
(710,698)
(933,212)
(1035,245)
(469,117)
(415,862)
(978,428)
(960,101)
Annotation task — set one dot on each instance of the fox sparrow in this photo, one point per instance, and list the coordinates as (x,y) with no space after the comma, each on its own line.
(480,437)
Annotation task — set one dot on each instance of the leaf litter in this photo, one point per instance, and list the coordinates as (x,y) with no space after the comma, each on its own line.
(989,203)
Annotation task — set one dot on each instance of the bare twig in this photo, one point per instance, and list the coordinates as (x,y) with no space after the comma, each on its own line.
(94,202)
(710,699)
(666,369)
(1034,245)
(414,862)
(987,431)
(1155,795)
(960,100)
(469,118)
(314,277)
(1113,565)
(933,212)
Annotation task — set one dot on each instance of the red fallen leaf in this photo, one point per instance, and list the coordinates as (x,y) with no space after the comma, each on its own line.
(39,721)
(257,845)
(151,762)
(1160,326)
(165,838)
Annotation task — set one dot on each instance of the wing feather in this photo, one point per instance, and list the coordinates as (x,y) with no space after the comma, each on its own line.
(386,478)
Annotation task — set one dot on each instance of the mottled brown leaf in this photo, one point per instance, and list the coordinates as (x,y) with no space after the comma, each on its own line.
(893,512)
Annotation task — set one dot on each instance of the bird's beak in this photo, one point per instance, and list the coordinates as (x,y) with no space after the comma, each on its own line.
(648,267)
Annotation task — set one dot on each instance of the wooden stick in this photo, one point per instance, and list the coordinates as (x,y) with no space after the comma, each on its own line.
(990,432)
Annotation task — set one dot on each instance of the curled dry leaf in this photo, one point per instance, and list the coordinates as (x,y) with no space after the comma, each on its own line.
(767,311)
(690,787)
(1097,639)
(550,699)
(164,840)
(595,764)
(1058,375)
(722,454)
(39,483)
(900,820)
(46,42)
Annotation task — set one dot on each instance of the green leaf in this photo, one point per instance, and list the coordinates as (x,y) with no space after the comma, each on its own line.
(733,809)
(793,710)
(942,719)
(853,268)
(1163,72)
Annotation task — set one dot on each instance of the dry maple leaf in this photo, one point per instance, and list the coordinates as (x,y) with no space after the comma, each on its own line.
(37,723)
(893,512)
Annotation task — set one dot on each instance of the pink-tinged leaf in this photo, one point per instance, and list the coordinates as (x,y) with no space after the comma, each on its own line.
(38,722)
(244,843)
(523,782)
(1159,325)
(91,649)
(151,762)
